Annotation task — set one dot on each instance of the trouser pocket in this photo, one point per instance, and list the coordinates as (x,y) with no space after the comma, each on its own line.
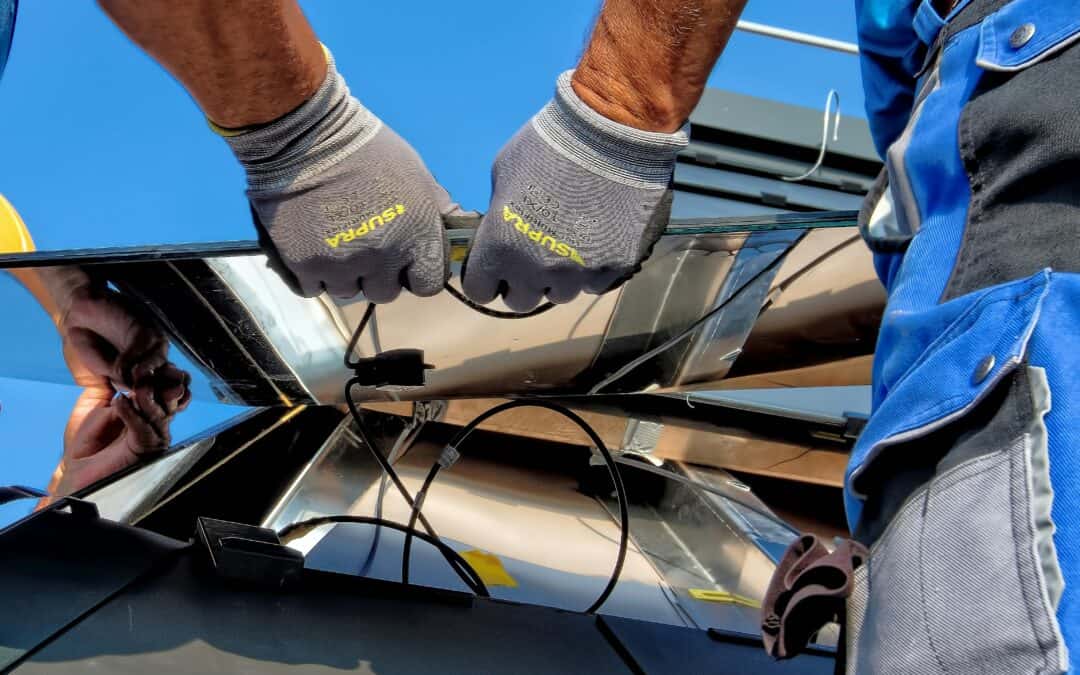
(965,577)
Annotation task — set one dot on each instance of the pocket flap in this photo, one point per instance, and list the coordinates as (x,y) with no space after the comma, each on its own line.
(1025,32)
(966,362)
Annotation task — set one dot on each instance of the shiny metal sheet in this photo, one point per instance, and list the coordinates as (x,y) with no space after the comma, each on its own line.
(257,343)
(557,544)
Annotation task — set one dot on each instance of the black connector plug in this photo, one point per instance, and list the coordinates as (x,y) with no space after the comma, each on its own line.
(247,553)
(397,367)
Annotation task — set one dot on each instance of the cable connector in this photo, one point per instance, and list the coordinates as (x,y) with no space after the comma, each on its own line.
(247,554)
(397,367)
(448,457)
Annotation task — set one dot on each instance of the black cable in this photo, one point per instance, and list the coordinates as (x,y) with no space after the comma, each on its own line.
(806,269)
(365,567)
(415,512)
(494,312)
(389,471)
(369,312)
(290,532)
(613,470)
(387,468)
(689,330)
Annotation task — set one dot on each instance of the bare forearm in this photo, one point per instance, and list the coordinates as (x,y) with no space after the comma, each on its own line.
(245,62)
(53,287)
(648,60)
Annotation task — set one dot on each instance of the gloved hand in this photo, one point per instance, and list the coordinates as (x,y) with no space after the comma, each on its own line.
(342,203)
(578,202)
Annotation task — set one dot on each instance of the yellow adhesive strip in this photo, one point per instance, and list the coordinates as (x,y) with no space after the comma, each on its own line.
(458,253)
(490,568)
(707,595)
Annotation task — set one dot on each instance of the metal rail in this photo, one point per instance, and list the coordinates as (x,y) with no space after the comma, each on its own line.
(798,37)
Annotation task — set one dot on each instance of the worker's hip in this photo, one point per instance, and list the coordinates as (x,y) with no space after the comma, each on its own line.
(965,577)
(964,488)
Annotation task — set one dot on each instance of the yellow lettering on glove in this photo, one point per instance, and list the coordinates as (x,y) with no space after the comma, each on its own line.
(538,237)
(366,226)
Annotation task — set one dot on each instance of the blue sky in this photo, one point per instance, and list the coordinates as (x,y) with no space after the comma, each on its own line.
(102,148)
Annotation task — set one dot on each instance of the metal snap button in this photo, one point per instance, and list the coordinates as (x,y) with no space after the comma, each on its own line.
(983,369)
(1022,35)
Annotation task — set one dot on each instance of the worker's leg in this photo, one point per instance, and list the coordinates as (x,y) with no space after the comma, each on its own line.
(977,570)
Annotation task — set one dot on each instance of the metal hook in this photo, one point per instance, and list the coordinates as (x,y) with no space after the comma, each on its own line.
(833,94)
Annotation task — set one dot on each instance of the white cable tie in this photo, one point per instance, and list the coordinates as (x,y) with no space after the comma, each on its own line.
(449,457)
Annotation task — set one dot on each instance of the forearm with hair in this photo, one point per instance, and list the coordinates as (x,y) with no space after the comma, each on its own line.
(52,287)
(648,60)
(245,62)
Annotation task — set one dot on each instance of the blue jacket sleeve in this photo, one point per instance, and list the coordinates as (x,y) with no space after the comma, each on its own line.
(7,29)
(890,55)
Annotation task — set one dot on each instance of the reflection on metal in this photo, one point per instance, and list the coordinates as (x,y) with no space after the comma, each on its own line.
(641,436)
(557,543)
(701,541)
(423,412)
(261,345)
(129,498)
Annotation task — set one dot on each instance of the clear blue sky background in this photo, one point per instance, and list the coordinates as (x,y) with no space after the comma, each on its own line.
(100,147)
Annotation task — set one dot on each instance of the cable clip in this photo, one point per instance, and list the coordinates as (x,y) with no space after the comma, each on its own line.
(449,457)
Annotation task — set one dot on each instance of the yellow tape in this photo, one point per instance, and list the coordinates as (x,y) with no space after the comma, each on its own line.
(707,595)
(490,568)
(458,253)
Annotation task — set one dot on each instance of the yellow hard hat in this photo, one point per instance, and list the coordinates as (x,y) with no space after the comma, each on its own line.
(14,237)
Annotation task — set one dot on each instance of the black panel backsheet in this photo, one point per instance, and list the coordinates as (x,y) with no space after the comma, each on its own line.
(56,567)
(656,648)
(178,619)
(182,623)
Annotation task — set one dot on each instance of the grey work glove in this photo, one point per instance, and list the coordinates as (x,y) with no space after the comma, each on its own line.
(578,202)
(342,203)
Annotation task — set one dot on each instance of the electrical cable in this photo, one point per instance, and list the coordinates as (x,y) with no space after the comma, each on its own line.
(460,566)
(300,528)
(392,457)
(540,309)
(365,567)
(392,474)
(809,267)
(689,330)
(451,453)
(369,312)
(384,464)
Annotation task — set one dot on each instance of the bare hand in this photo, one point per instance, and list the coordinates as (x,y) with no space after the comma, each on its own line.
(106,340)
(107,433)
